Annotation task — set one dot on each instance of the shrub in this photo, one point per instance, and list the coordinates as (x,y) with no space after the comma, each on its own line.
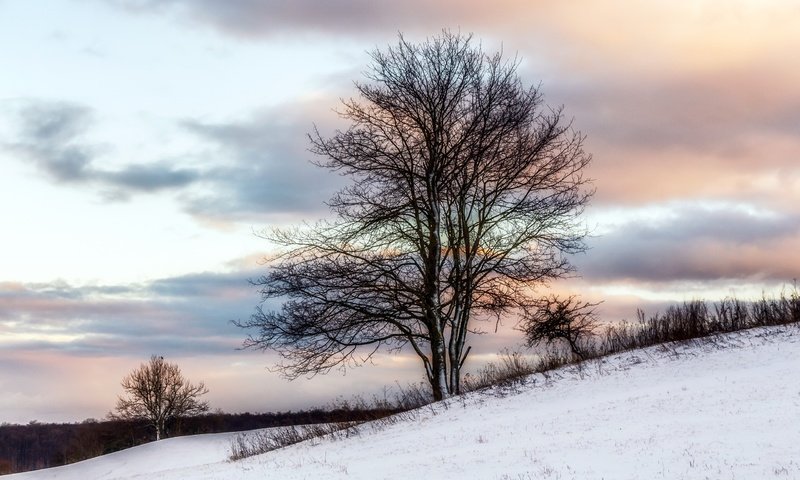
(561,319)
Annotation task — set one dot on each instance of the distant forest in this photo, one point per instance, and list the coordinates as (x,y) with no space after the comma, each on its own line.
(43,445)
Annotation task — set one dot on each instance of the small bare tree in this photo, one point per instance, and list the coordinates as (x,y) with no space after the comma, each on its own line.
(561,319)
(157,392)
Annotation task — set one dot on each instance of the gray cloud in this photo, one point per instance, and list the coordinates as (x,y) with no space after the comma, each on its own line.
(254,168)
(267,167)
(49,132)
(697,244)
(52,137)
(351,17)
(201,285)
(182,315)
(54,123)
(149,178)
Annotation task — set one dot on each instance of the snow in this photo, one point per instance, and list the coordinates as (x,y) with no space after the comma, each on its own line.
(725,409)
(171,454)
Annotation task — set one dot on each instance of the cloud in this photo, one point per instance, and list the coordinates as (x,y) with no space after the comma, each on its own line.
(188,314)
(263,167)
(697,243)
(725,134)
(254,168)
(48,132)
(715,112)
(672,95)
(254,18)
(52,136)
(149,178)
(657,36)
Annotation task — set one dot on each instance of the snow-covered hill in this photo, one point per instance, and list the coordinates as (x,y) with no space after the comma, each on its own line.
(729,409)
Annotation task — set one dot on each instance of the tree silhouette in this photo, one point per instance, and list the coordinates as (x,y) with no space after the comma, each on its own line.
(157,392)
(466,194)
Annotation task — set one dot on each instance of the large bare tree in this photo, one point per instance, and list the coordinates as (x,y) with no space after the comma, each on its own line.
(157,392)
(466,194)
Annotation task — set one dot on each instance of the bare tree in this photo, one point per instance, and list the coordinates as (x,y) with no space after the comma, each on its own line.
(561,319)
(157,392)
(466,193)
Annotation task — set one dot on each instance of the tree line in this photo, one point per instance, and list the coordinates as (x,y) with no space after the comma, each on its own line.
(42,445)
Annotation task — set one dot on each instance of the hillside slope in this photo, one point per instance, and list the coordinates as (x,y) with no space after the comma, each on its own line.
(725,409)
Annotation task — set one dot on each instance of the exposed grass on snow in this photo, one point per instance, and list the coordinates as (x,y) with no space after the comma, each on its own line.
(380,411)
(248,444)
(694,321)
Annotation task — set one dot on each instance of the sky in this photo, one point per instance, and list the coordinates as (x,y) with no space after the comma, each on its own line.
(144,144)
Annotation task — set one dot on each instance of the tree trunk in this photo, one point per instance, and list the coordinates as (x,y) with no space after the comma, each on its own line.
(458,336)
(455,379)
(438,368)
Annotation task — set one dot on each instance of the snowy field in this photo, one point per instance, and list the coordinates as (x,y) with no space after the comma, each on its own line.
(729,409)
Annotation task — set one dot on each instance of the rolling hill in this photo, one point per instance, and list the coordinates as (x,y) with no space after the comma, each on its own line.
(726,407)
